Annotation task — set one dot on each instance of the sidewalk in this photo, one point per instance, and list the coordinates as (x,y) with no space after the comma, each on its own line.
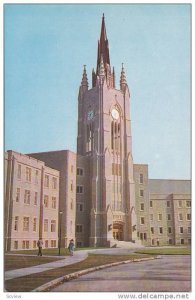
(69,260)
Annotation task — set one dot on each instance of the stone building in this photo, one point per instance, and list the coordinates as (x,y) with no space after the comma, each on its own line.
(31,203)
(163,209)
(104,198)
(65,162)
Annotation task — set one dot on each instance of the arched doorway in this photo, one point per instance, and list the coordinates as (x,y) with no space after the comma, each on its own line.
(117,231)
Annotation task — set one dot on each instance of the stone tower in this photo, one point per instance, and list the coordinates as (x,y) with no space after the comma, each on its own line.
(104,138)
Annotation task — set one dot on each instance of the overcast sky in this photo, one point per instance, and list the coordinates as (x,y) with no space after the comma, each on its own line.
(46,47)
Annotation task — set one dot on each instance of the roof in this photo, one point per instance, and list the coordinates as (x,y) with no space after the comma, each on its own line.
(170,186)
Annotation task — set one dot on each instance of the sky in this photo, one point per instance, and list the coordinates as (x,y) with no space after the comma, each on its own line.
(45,48)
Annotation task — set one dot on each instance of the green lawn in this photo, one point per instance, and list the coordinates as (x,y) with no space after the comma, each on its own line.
(166,251)
(51,251)
(30,282)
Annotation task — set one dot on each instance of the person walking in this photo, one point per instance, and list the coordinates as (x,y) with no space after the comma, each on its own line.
(40,245)
(71,247)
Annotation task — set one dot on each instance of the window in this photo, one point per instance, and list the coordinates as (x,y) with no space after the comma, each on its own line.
(180,203)
(19,171)
(79,172)
(34,224)
(153,242)
(54,183)
(145,236)
(53,202)
(16,223)
(34,244)
(15,245)
(180,217)
(17,194)
(169,217)
(46,183)
(36,198)
(168,203)
(46,201)
(79,207)
(141,193)
(180,229)
(71,204)
(188,217)
(46,244)
(151,203)
(170,242)
(25,244)
(188,203)
(36,177)
(142,206)
(151,217)
(159,217)
(90,137)
(141,178)
(141,236)
(27,197)
(182,241)
(142,221)
(28,174)
(161,230)
(71,186)
(189,230)
(152,230)
(169,229)
(53,225)
(26,224)
(79,228)
(115,136)
(53,243)
(79,189)
(45,225)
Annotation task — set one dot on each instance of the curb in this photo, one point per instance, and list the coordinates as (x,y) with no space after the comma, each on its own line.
(75,275)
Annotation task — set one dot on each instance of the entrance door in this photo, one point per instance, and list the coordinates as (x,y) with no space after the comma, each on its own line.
(118,232)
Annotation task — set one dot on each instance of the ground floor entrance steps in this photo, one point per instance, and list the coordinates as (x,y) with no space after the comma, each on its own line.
(125,244)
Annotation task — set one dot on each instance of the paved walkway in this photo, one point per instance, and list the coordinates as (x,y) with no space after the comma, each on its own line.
(69,260)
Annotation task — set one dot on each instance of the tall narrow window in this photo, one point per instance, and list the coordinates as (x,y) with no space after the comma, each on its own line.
(17,194)
(19,171)
(16,221)
(141,178)
(90,136)
(28,174)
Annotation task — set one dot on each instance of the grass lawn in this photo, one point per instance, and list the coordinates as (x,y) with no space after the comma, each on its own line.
(30,282)
(166,251)
(13,262)
(52,252)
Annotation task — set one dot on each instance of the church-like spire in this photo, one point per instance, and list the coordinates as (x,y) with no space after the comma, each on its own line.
(103,48)
(84,81)
(123,81)
(103,54)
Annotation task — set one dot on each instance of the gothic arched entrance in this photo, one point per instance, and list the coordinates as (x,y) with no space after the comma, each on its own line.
(118,231)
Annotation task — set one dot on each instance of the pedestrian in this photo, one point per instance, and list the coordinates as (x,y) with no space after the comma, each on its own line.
(40,245)
(71,247)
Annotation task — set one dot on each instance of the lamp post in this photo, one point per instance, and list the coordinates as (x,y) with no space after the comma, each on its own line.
(60,227)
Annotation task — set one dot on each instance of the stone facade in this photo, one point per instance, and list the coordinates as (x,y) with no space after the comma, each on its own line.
(65,162)
(31,203)
(163,209)
(101,196)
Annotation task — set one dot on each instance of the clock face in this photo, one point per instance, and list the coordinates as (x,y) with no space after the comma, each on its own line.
(90,115)
(115,113)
